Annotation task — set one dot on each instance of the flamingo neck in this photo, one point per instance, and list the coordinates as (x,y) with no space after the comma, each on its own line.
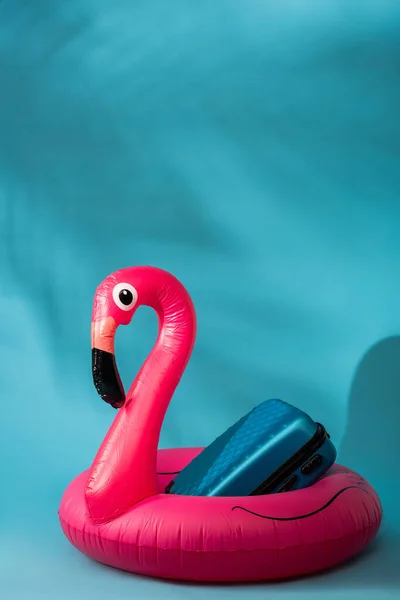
(124,469)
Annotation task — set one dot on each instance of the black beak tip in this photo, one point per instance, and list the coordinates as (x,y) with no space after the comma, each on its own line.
(118,404)
(106,378)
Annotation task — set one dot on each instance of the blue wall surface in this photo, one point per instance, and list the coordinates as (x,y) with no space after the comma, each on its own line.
(251,148)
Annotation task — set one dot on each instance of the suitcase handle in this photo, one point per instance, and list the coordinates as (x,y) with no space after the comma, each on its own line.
(293,463)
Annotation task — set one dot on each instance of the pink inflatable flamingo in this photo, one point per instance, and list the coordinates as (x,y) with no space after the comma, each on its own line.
(117,513)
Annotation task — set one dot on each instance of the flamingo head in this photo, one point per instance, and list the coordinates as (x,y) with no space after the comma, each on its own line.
(116,300)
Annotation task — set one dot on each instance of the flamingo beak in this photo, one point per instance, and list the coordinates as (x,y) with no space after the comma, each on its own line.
(104,369)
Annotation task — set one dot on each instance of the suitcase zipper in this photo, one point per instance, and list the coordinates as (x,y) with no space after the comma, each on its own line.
(292,464)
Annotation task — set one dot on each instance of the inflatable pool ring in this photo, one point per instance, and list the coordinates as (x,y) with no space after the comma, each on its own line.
(117,513)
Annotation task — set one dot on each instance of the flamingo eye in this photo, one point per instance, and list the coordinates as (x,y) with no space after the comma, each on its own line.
(125,296)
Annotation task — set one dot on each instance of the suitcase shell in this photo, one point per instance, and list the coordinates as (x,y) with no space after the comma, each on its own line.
(275,448)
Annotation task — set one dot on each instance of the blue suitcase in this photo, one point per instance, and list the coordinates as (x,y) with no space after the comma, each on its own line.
(274,448)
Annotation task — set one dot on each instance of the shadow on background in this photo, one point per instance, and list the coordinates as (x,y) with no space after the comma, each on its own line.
(371,444)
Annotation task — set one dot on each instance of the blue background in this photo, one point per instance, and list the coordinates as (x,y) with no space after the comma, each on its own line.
(251,148)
